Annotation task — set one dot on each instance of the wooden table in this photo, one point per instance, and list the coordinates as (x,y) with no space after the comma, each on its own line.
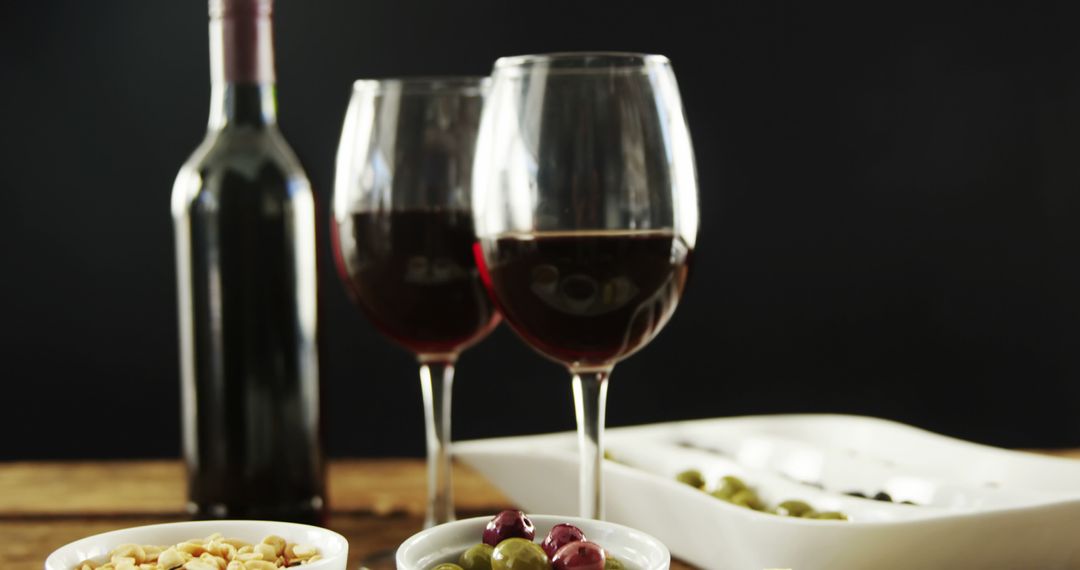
(376,503)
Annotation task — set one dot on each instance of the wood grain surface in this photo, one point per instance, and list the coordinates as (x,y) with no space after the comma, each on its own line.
(376,503)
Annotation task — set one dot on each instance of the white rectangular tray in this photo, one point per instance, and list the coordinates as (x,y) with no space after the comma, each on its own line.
(978,506)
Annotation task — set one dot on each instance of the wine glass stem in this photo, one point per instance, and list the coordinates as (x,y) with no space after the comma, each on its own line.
(590,399)
(436,383)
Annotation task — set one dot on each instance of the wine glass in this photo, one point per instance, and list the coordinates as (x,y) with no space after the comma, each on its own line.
(585,204)
(403,236)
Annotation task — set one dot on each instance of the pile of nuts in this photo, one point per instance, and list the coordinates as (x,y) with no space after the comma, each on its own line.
(212,553)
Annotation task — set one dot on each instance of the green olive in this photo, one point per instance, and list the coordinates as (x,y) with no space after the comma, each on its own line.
(447,566)
(721,494)
(829,516)
(519,554)
(611,563)
(734,482)
(793,508)
(729,485)
(477,557)
(692,477)
(748,498)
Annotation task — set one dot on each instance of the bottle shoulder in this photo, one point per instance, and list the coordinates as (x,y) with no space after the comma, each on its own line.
(233,146)
(255,161)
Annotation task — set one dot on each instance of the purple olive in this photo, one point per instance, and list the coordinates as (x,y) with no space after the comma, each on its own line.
(581,555)
(508,524)
(561,535)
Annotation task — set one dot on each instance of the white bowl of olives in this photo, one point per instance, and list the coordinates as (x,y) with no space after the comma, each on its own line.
(512,540)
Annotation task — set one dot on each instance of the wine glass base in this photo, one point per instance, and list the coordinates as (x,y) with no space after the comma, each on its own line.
(381,560)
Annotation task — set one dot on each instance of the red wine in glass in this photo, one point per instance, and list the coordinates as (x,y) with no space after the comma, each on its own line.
(413,274)
(586,299)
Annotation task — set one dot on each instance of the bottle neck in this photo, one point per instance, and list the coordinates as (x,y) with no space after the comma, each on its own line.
(242,104)
(241,66)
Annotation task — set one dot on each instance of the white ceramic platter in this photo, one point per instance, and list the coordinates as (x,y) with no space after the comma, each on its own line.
(978,506)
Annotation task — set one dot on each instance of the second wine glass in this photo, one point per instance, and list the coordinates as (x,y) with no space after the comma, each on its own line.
(403,236)
(585,196)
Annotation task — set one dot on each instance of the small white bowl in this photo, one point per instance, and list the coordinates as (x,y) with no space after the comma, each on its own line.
(333,547)
(446,542)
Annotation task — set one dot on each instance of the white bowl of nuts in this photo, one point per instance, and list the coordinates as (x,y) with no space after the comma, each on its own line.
(206,545)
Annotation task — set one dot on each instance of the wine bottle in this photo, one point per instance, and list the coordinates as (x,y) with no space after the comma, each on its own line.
(244,218)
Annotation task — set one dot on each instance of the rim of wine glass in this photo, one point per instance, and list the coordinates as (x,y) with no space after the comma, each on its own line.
(425,84)
(582,62)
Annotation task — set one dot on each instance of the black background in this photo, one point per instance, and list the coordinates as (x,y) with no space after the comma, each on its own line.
(890,215)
